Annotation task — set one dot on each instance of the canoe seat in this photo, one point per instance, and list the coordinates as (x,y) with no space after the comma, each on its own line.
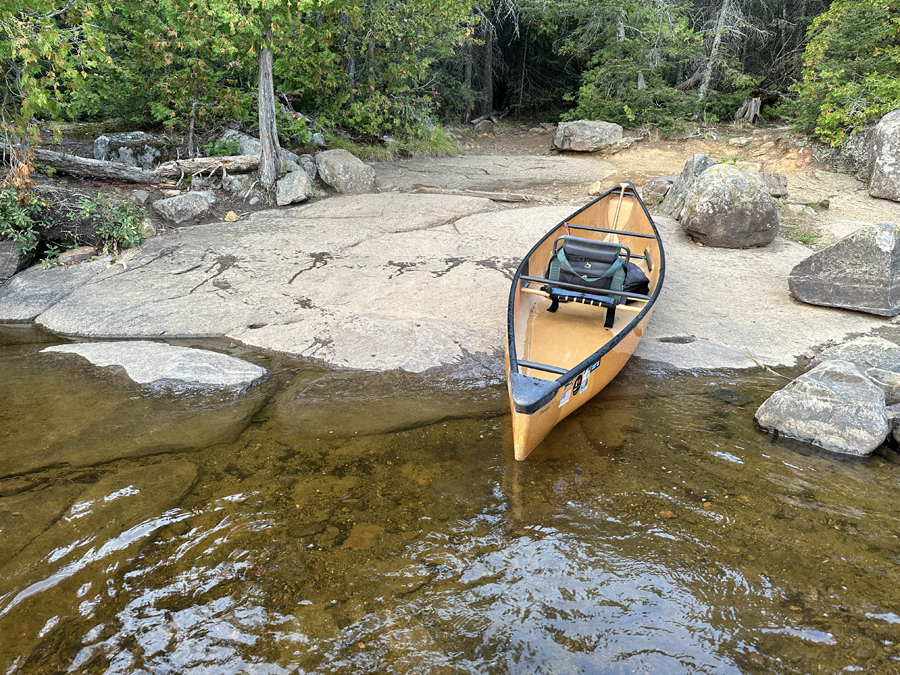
(587,267)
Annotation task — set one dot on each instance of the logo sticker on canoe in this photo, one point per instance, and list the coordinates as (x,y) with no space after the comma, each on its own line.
(566,395)
(585,376)
(594,367)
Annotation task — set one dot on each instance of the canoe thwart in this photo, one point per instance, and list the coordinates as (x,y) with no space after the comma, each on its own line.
(621,233)
(543,366)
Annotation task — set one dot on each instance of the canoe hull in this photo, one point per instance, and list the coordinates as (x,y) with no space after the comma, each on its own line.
(582,354)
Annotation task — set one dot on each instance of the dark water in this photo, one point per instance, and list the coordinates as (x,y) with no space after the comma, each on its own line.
(352,523)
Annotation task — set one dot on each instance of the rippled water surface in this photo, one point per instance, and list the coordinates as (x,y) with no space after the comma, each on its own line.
(357,523)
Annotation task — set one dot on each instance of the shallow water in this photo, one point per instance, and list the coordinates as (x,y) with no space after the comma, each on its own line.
(353,523)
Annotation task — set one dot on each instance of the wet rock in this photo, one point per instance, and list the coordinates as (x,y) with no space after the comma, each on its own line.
(884,167)
(183,208)
(674,201)
(344,172)
(11,261)
(163,365)
(586,136)
(728,207)
(292,188)
(833,406)
(22,516)
(134,148)
(100,531)
(859,272)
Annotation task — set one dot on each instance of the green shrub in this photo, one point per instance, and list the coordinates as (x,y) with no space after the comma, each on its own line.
(16,222)
(117,224)
(851,69)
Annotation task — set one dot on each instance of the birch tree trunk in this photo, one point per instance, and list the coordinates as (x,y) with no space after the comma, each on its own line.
(714,51)
(270,156)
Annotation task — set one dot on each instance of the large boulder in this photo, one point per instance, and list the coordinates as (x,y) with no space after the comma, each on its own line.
(834,406)
(344,172)
(878,358)
(674,201)
(292,188)
(586,136)
(248,145)
(884,161)
(859,272)
(134,148)
(728,207)
(183,208)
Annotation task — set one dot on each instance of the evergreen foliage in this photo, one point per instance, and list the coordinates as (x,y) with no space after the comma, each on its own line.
(851,69)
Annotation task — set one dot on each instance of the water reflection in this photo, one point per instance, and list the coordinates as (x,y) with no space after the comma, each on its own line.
(656,531)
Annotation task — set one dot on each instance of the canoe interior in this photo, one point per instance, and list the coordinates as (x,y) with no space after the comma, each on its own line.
(573,335)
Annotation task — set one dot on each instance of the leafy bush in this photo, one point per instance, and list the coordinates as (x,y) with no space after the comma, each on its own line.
(221,147)
(16,220)
(851,69)
(117,224)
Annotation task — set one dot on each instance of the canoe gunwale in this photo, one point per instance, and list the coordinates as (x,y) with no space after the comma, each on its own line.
(548,393)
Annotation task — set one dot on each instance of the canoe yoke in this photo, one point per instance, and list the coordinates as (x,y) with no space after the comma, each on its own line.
(587,267)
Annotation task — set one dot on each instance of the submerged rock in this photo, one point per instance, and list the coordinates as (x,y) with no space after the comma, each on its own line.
(859,272)
(163,365)
(833,406)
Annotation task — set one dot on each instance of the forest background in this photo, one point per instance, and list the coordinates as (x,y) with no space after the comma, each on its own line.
(371,68)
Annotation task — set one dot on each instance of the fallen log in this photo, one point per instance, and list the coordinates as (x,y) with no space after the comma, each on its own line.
(95,168)
(191,167)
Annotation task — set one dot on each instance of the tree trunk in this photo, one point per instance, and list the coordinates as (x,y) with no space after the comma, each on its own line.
(270,156)
(714,51)
(468,82)
(194,103)
(488,63)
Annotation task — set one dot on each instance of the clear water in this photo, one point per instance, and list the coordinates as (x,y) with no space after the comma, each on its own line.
(357,523)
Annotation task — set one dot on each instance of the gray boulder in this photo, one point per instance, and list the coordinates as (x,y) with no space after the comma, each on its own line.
(308,164)
(834,406)
(11,261)
(776,183)
(728,207)
(344,172)
(163,365)
(674,201)
(586,136)
(246,145)
(884,162)
(655,189)
(292,188)
(182,208)
(859,272)
(878,358)
(134,148)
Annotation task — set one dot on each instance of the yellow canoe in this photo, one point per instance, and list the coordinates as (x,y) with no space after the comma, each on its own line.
(568,338)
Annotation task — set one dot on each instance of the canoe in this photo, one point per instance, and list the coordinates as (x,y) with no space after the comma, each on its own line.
(567,336)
